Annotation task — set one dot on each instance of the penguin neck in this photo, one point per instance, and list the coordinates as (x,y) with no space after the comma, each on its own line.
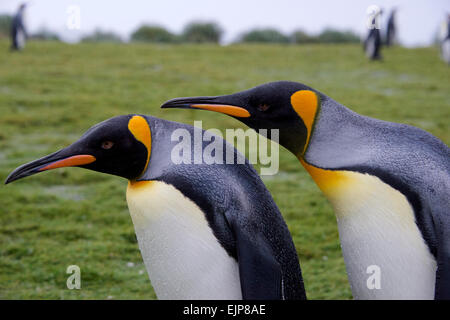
(339,137)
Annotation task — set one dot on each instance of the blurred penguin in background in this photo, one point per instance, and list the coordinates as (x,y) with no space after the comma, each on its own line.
(445,40)
(391,30)
(372,44)
(18,32)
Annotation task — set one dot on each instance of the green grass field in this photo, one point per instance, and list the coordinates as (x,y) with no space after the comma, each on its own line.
(52,92)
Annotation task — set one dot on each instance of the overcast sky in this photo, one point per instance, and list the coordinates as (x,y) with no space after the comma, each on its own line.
(418,20)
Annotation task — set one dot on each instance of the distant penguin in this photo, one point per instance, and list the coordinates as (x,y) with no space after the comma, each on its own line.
(391,29)
(18,31)
(372,43)
(205,231)
(389,184)
(445,40)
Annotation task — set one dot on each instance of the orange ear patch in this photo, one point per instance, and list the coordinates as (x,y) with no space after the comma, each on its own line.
(306,103)
(140,129)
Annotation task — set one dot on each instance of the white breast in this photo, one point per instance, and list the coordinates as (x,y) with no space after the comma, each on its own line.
(377,228)
(183,258)
(20,39)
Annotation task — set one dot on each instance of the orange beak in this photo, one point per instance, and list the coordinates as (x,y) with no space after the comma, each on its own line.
(223,108)
(217,104)
(55,160)
(70,162)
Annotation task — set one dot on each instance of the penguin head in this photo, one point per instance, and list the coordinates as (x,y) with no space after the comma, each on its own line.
(119,146)
(287,106)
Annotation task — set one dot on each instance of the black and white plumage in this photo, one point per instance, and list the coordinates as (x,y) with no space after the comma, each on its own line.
(372,43)
(205,231)
(391,29)
(445,40)
(389,184)
(18,30)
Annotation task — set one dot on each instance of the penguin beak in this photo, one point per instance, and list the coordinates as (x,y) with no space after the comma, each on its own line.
(223,104)
(59,159)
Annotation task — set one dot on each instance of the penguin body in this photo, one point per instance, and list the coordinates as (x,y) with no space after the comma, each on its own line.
(18,33)
(402,203)
(391,29)
(205,231)
(389,185)
(365,205)
(372,43)
(239,209)
(174,236)
(444,40)
(445,50)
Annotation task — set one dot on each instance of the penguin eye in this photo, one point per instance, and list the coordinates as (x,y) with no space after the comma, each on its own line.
(107,145)
(263,107)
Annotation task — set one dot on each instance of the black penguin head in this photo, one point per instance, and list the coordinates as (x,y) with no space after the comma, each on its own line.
(287,106)
(120,146)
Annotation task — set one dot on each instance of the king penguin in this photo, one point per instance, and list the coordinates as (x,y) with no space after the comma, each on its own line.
(391,29)
(372,43)
(389,184)
(18,31)
(205,231)
(445,40)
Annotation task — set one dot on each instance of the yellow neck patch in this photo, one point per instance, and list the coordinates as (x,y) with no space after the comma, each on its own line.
(140,129)
(329,181)
(306,103)
(135,185)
